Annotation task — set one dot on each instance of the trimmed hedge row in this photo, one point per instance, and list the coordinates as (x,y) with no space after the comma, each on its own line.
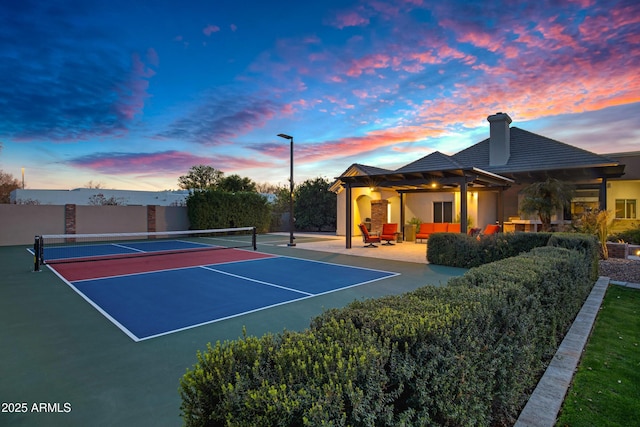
(465,354)
(220,209)
(461,250)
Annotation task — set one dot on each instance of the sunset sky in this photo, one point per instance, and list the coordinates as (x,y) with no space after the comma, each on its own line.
(131,94)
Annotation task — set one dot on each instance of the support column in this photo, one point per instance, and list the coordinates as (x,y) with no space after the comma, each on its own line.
(348,217)
(463,206)
(402,220)
(501,209)
(602,195)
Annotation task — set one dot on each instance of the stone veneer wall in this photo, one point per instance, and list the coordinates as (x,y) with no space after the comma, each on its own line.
(151,218)
(378,214)
(69,219)
(618,250)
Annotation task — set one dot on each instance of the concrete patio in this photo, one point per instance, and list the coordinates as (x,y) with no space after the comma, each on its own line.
(405,251)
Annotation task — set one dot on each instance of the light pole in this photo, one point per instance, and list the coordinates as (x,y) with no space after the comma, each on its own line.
(290,138)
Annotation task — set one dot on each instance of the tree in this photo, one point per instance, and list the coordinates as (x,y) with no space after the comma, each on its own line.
(236,184)
(315,205)
(91,184)
(546,198)
(200,177)
(100,200)
(7,184)
(266,188)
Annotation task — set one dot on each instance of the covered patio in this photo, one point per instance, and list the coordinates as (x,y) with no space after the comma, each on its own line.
(442,176)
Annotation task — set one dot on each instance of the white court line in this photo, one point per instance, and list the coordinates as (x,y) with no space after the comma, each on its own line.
(257,281)
(305,295)
(97,307)
(124,247)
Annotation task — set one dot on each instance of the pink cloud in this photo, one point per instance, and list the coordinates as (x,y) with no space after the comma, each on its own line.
(349,146)
(425,58)
(350,19)
(160,163)
(233,27)
(368,64)
(133,93)
(210,29)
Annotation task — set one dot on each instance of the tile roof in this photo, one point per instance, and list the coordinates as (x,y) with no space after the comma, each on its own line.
(432,162)
(531,152)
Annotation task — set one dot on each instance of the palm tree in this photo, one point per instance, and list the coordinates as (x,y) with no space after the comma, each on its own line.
(546,198)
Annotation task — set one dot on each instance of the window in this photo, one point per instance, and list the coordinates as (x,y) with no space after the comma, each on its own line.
(626,208)
(442,211)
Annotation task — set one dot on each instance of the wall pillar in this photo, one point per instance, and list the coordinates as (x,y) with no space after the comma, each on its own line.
(69,219)
(151,218)
(378,214)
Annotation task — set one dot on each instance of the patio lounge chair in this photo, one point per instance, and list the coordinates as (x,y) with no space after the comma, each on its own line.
(490,229)
(368,238)
(389,233)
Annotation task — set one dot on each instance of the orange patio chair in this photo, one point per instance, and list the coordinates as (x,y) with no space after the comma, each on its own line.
(490,229)
(426,228)
(368,238)
(389,233)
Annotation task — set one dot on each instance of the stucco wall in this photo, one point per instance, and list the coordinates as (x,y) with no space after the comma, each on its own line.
(171,218)
(20,223)
(111,219)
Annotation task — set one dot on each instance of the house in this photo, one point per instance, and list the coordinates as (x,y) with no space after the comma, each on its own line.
(481,184)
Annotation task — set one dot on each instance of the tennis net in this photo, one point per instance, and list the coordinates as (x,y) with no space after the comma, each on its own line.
(59,248)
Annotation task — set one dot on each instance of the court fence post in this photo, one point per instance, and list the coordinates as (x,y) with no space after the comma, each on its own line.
(254,240)
(36,254)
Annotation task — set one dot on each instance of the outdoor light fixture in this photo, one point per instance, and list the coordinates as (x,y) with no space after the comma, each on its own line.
(290,138)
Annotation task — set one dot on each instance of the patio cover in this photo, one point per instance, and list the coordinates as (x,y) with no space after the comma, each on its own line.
(415,178)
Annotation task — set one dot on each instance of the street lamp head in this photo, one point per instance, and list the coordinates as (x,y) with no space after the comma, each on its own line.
(285,136)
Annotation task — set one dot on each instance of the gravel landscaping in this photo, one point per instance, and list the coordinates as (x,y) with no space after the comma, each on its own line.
(621,270)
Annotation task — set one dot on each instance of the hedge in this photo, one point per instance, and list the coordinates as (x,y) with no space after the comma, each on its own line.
(461,250)
(220,209)
(468,353)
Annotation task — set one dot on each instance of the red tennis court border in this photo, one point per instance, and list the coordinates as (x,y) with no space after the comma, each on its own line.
(122,266)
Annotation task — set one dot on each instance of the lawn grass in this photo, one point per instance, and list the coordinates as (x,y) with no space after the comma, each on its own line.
(606,387)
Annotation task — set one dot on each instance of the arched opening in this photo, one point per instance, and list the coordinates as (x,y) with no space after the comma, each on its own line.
(361,212)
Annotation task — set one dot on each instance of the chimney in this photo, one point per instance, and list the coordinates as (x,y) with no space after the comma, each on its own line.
(499,140)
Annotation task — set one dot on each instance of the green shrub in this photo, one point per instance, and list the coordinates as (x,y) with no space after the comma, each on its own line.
(219,209)
(631,236)
(465,354)
(461,250)
(584,243)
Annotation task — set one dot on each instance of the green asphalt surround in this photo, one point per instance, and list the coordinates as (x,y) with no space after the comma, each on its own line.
(63,363)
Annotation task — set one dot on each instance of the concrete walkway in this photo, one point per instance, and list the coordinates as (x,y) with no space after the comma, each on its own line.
(406,251)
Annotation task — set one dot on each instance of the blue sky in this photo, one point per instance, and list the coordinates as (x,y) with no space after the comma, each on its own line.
(131,94)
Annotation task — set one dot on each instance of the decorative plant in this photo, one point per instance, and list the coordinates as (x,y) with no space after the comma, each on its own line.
(604,219)
(597,223)
(469,221)
(546,198)
(415,221)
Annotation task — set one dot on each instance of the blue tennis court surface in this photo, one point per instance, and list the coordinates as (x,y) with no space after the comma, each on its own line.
(150,304)
(98,250)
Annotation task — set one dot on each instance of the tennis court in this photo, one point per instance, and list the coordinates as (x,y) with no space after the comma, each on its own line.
(150,288)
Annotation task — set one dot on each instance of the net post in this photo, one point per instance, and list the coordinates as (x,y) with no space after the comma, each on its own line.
(36,253)
(254,240)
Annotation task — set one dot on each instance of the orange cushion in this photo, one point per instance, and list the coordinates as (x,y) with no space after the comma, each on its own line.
(440,227)
(426,228)
(389,228)
(453,227)
(491,229)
